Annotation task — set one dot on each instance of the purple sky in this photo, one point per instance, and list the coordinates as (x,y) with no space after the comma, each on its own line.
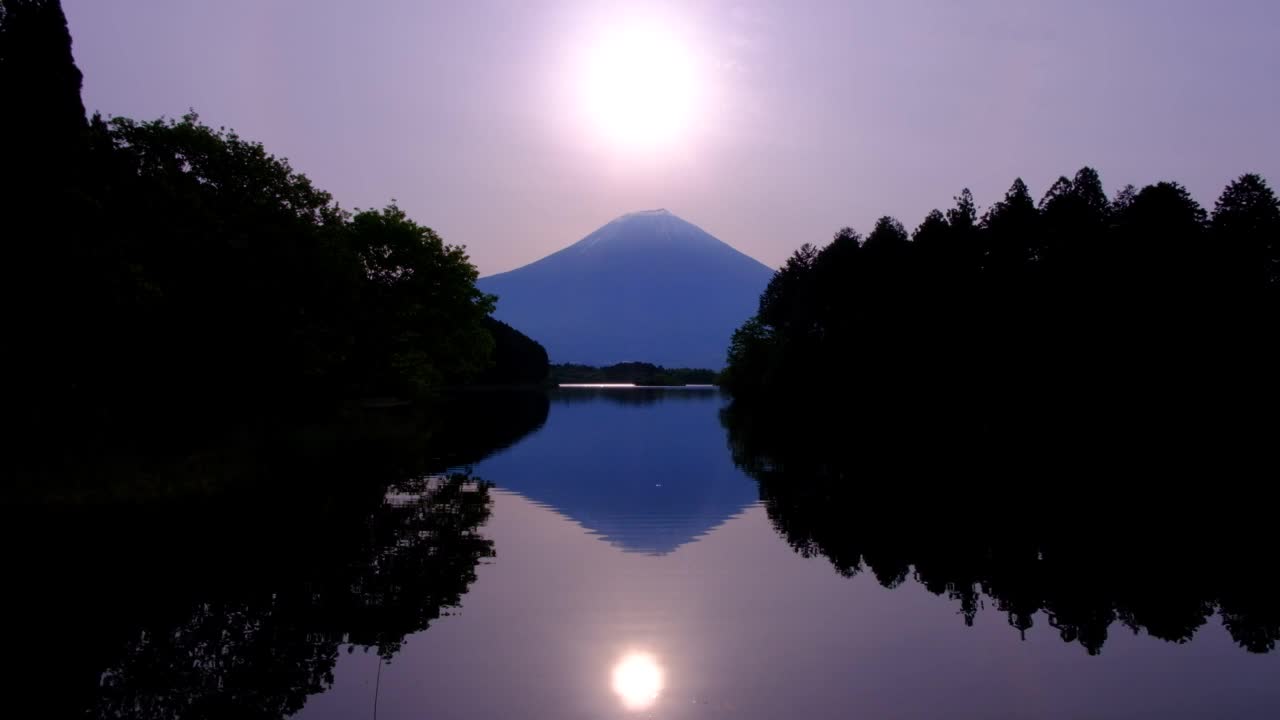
(811,115)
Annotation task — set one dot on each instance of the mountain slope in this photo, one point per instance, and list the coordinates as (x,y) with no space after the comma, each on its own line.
(648,286)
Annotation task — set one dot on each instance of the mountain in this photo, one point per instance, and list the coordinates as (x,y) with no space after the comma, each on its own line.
(648,286)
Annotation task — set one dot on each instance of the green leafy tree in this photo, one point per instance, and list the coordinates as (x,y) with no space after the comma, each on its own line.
(421,315)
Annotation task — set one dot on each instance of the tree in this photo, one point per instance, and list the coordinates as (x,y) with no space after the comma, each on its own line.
(834,265)
(517,359)
(45,213)
(931,233)
(886,287)
(1012,233)
(1136,281)
(1246,235)
(888,237)
(788,300)
(749,367)
(963,221)
(1162,231)
(1074,216)
(1059,193)
(219,261)
(421,315)
(935,251)
(964,215)
(39,82)
(1123,199)
(1087,191)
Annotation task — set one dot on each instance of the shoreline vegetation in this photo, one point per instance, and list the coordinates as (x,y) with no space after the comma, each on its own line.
(1083,326)
(174,287)
(631,373)
(173,281)
(189,317)
(212,310)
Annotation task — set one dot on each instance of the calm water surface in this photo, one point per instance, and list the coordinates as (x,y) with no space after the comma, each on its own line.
(634,554)
(635,574)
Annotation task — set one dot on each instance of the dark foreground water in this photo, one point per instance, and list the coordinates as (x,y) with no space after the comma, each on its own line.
(621,564)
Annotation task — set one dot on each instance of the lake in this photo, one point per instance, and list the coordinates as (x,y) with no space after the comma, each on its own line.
(619,553)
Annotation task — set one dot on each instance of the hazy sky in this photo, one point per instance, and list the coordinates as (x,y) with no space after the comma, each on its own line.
(508,126)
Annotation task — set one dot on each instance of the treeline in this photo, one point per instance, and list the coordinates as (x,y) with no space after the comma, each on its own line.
(162,266)
(517,358)
(638,373)
(1141,292)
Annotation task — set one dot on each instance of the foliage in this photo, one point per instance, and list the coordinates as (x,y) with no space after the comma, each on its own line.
(167,268)
(637,373)
(422,320)
(36,68)
(517,358)
(1030,297)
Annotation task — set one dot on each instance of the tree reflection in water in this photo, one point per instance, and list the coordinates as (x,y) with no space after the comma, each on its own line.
(263,651)
(238,605)
(1039,531)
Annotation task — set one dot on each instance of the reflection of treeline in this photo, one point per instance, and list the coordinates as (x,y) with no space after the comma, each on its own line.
(236,605)
(183,463)
(159,266)
(1085,552)
(637,373)
(480,422)
(259,646)
(1143,291)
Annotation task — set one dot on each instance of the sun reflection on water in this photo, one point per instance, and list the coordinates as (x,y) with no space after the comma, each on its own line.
(637,680)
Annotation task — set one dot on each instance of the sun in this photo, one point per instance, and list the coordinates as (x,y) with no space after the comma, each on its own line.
(639,88)
(638,680)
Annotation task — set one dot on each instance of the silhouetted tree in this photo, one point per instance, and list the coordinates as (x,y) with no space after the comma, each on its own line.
(1029,294)
(1074,218)
(751,363)
(1012,234)
(963,221)
(1123,199)
(40,83)
(931,238)
(517,359)
(168,269)
(45,212)
(1246,232)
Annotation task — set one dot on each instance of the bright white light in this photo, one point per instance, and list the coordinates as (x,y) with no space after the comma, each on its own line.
(637,680)
(639,89)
